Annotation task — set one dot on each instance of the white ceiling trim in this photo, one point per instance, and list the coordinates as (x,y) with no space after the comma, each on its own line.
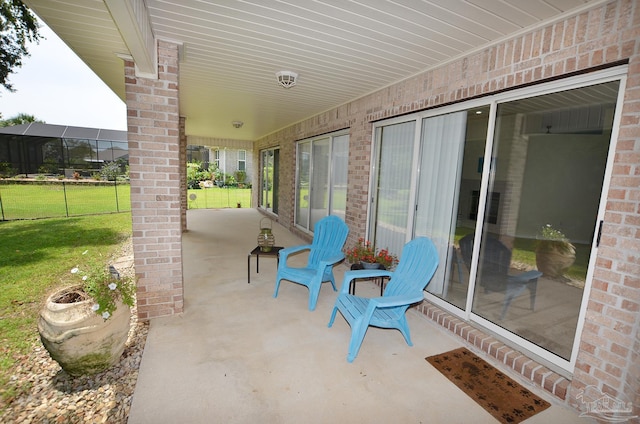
(132,19)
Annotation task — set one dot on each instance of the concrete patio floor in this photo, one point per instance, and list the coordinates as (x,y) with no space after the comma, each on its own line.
(237,355)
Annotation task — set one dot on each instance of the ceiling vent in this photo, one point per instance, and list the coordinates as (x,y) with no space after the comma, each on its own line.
(287,79)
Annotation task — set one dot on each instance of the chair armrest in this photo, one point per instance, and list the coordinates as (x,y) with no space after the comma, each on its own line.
(391,301)
(525,277)
(362,273)
(283,253)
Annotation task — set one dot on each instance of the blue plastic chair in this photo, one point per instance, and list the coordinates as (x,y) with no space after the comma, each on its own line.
(329,236)
(417,265)
(493,272)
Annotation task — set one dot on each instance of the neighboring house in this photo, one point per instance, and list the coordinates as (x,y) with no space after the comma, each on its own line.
(554,105)
(229,156)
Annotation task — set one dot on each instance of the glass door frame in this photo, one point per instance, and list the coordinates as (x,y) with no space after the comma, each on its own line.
(273,206)
(617,73)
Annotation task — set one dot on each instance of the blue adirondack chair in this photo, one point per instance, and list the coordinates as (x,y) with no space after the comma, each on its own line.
(494,271)
(417,265)
(329,236)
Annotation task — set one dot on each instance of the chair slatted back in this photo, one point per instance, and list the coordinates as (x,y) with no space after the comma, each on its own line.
(329,236)
(418,263)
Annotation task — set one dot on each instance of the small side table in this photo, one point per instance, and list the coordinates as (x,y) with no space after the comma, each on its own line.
(352,283)
(257,252)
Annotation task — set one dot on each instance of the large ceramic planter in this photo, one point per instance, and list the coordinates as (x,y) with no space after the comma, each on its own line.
(80,340)
(554,260)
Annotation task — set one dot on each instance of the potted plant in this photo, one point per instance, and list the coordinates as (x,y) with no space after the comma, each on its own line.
(366,254)
(84,327)
(554,253)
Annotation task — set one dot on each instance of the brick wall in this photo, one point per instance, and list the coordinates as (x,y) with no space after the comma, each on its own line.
(155,170)
(607,34)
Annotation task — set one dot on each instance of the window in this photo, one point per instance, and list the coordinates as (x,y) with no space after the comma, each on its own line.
(242,160)
(321,178)
(548,147)
(216,158)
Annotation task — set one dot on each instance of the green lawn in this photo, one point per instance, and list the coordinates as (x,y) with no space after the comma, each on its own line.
(28,201)
(35,258)
(216,198)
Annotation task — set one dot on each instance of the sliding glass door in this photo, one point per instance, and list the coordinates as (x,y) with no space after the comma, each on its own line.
(509,189)
(321,178)
(390,212)
(548,166)
(269,165)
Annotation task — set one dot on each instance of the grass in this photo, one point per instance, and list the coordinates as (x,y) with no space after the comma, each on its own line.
(524,251)
(216,198)
(35,258)
(29,201)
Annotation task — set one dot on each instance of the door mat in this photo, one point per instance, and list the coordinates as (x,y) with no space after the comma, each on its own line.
(499,395)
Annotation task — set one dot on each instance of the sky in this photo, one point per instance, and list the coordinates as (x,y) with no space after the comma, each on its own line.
(56,87)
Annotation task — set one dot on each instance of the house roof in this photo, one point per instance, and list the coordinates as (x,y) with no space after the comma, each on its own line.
(37,129)
(231,50)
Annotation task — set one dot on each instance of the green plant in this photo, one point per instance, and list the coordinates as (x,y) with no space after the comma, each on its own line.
(104,288)
(217,174)
(195,174)
(6,170)
(111,171)
(241,176)
(365,251)
(229,180)
(550,238)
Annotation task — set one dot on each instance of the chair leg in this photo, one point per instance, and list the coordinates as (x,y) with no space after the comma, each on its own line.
(358,330)
(533,289)
(313,300)
(333,282)
(513,290)
(333,316)
(404,329)
(314,292)
(275,293)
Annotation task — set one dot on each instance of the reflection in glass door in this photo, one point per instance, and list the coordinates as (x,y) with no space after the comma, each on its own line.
(516,232)
(547,170)
(321,178)
(394,171)
(447,141)
(269,164)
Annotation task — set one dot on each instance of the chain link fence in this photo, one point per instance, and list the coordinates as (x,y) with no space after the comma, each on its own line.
(29,199)
(219,197)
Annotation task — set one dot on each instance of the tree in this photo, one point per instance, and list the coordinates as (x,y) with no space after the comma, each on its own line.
(19,119)
(17,26)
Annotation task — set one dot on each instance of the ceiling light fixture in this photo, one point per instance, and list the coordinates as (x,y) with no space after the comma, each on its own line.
(237,124)
(287,79)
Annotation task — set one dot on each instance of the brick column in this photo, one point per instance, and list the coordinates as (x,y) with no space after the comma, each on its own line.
(155,171)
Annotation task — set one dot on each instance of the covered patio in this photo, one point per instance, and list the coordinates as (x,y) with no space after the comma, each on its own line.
(238,355)
(371,89)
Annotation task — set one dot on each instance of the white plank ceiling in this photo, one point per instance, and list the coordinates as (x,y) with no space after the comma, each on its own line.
(341,49)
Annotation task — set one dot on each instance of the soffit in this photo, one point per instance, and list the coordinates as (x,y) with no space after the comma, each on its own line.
(341,49)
